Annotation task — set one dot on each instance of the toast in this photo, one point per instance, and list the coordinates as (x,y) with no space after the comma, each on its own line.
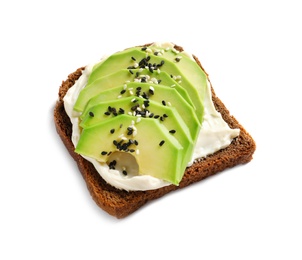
(121,203)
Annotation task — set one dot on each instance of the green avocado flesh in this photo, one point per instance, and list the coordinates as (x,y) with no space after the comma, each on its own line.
(123,76)
(146,103)
(167,116)
(124,59)
(134,89)
(156,151)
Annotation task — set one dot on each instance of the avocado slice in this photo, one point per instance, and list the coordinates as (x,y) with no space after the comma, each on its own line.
(141,108)
(156,151)
(156,93)
(188,66)
(123,76)
(134,58)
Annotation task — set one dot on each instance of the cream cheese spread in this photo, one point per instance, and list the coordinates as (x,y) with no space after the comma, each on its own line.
(215,134)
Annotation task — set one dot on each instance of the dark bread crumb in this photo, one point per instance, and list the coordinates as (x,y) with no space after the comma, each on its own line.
(121,203)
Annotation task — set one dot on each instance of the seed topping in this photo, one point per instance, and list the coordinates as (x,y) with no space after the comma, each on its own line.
(161,142)
(178,58)
(138,107)
(112,165)
(151,90)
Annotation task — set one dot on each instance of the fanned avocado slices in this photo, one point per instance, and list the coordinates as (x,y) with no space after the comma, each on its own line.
(142,105)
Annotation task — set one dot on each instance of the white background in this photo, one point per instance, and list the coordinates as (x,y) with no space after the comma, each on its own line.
(252,52)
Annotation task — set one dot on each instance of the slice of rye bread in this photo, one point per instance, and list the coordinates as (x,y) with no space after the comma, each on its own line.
(121,203)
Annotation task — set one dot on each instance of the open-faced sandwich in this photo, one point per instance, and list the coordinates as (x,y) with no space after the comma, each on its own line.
(146,121)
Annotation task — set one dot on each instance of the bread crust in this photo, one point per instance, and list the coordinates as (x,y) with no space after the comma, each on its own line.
(121,203)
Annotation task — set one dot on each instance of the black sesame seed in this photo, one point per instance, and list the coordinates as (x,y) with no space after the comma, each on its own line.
(144,48)
(91,114)
(161,142)
(121,111)
(156,116)
(124,147)
(124,172)
(151,115)
(135,142)
(123,91)
(156,53)
(159,81)
(104,153)
(142,63)
(164,102)
(112,130)
(134,107)
(107,113)
(146,103)
(165,115)
(131,71)
(148,58)
(177,59)
(133,58)
(145,96)
(140,113)
(131,150)
(172,131)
